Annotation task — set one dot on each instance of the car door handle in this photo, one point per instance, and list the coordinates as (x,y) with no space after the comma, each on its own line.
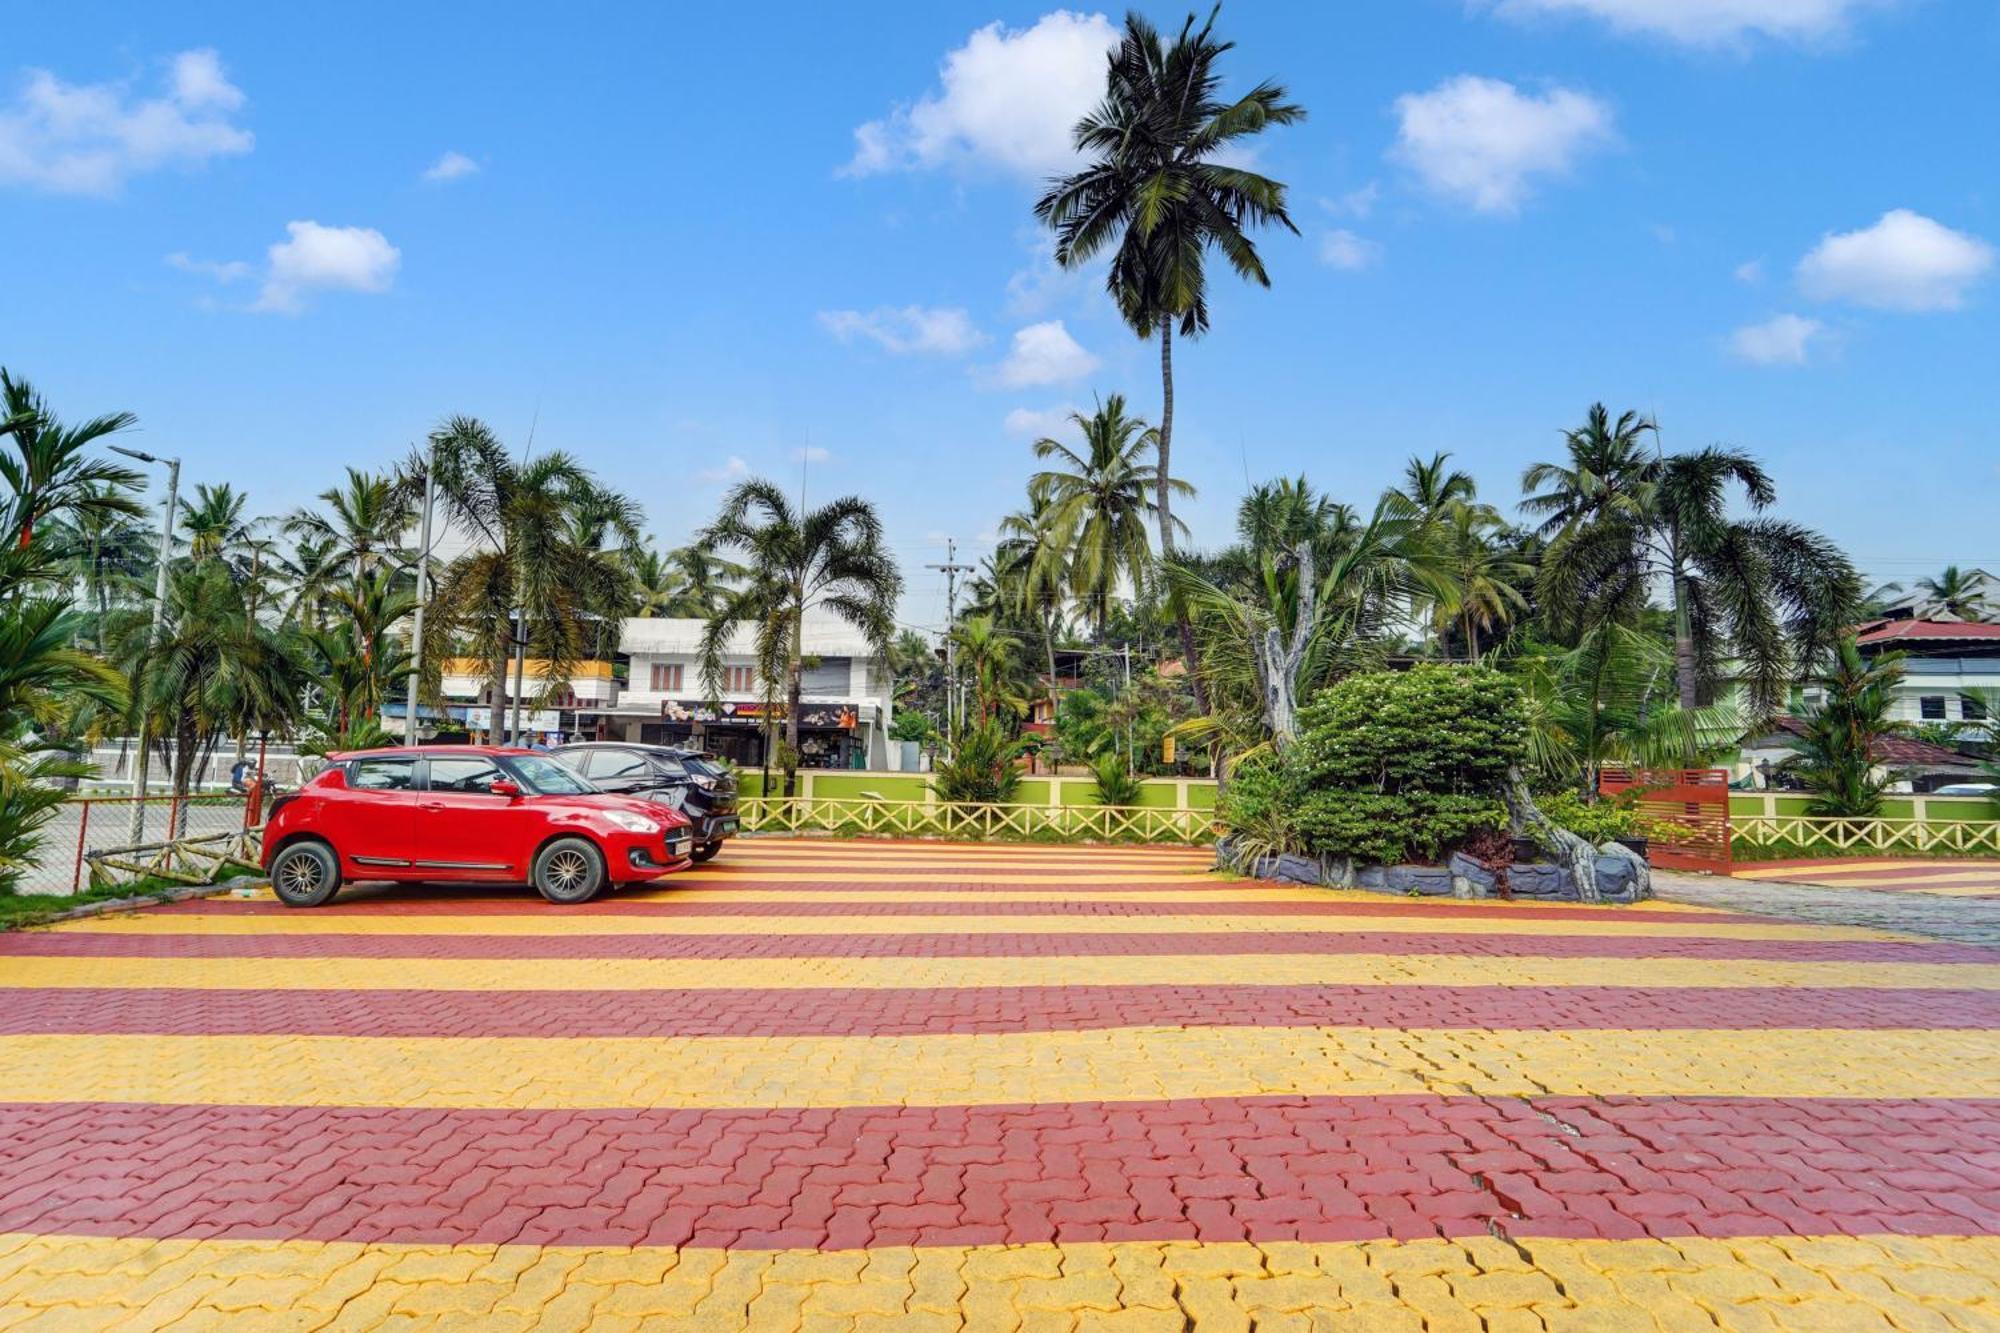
(432,805)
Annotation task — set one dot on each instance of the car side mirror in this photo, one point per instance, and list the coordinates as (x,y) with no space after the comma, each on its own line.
(509,789)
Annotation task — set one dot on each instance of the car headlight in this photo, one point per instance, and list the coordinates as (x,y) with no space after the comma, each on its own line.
(630,822)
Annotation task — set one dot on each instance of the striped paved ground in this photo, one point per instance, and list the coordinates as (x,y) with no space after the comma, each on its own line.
(897,1086)
(1945,879)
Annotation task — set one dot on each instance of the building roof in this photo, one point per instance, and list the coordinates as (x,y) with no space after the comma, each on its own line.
(1894,751)
(824,636)
(1876,633)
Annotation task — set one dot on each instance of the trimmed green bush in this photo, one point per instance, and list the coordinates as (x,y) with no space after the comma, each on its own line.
(1388,766)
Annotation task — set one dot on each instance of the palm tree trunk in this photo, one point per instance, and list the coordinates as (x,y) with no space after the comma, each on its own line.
(1684,679)
(1164,490)
(1471,638)
(499,721)
(1055,703)
(794,689)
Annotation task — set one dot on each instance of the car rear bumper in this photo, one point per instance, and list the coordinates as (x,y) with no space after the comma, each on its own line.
(716,827)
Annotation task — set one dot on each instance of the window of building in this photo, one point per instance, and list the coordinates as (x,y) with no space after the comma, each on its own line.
(1971,709)
(739,679)
(468,775)
(1931,707)
(667,677)
(383,774)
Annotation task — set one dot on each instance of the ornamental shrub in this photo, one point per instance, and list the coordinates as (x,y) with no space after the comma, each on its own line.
(1403,765)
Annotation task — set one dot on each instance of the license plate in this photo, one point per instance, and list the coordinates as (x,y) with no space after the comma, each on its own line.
(725,826)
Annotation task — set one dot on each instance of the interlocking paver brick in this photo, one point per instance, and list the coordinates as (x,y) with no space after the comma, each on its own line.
(898,1086)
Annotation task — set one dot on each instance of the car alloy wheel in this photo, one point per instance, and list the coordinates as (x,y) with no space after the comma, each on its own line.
(569,870)
(305,875)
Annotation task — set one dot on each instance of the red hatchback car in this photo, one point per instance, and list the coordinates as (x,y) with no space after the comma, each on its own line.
(464,814)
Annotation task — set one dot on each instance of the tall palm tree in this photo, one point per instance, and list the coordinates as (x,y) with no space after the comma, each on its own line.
(1483,579)
(991,658)
(1766,593)
(527,583)
(366,517)
(1156,189)
(1960,592)
(683,583)
(1434,487)
(1098,503)
(47,471)
(1604,473)
(214,521)
(828,560)
(1036,556)
(106,552)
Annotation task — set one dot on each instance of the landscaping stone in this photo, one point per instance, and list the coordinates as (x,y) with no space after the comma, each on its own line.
(1622,877)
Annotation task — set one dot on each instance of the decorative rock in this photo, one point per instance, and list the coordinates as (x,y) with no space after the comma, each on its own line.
(1464,867)
(1292,869)
(1431,881)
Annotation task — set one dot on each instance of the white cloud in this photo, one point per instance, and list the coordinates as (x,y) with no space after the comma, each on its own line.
(90,138)
(1037,422)
(1904,262)
(733,469)
(1342,249)
(1007,98)
(1750,272)
(318,258)
(811,453)
(934,330)
(231,270)
(1784,340)
(1044,354)
(1707,22)
(450,167)
(1484,141)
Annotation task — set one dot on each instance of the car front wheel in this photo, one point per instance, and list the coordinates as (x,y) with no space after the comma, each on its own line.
(705,852)
(305,874)
(569,871)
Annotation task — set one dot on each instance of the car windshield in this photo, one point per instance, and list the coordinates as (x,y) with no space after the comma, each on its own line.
(549,777)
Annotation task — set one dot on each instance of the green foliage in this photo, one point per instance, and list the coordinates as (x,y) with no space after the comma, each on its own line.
(1116,783)
(911,725)
(1596,822)
(1256,807)
(1835,757)
(1388,766)
(984,766)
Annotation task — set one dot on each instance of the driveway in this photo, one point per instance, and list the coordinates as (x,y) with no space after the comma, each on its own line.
(902,1086)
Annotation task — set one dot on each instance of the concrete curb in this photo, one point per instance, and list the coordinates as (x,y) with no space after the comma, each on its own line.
(137,901)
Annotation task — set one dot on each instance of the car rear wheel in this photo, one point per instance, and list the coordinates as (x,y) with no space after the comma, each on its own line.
(569,870)
(305,874)
(705,852)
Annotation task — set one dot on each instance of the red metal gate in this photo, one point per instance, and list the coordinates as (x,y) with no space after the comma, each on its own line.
(1695,800)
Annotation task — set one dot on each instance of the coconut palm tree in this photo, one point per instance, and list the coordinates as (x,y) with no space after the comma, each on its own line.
(1483,580)
(1036,562)
(107,553)
(827,560)
(1433,488)
(1159,192)
(1098,501)
(47,471)
(684,583)
(1761,591)
(365,518)
(1959,592)
(214,521)
(527,583)
(1605,471)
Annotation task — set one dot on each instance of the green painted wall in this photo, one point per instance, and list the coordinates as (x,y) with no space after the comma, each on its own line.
(1156,793)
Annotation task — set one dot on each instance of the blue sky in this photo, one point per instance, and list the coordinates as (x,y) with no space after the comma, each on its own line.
(669,239)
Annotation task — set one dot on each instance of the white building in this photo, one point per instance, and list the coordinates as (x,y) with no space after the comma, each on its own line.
(1951,668)
(844,711)
(573,710)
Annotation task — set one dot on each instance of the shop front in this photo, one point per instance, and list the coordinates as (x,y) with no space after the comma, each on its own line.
(830,734)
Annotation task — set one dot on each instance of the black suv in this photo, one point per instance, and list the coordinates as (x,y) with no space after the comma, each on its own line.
(693,783)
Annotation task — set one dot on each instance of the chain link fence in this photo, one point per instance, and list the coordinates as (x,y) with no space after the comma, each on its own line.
(101,823)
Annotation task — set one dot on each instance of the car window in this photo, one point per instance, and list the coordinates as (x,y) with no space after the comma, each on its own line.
(550,777)
(471,773)
(624,766)
(383,774)
(669,768)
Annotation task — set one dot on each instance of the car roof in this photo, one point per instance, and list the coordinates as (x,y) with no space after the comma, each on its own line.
(412,751)
(641,747)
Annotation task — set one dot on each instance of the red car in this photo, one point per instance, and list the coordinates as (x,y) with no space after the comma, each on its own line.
(464,814)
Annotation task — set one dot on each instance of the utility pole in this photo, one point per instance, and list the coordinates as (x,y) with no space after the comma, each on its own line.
(423,569)
(142,761)
(951,569)
(1131,759)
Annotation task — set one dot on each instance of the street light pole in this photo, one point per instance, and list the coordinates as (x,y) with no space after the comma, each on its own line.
(423,568)
(142,763)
